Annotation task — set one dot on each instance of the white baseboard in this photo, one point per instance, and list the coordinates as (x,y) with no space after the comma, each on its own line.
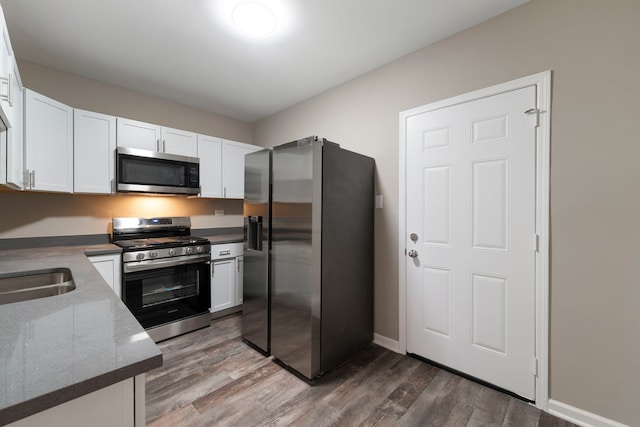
(387,343)
(580,416)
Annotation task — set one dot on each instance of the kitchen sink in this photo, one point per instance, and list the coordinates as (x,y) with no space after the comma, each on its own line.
(29,285)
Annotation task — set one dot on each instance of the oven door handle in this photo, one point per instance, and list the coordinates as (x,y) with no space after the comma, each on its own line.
(131,267)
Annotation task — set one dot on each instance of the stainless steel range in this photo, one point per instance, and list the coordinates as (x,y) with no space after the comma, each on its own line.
(166,279)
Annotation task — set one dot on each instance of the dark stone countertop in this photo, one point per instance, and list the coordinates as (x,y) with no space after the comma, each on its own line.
(226,238)
(58,348)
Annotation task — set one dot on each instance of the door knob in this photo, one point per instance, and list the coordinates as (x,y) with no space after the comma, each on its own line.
(413,253)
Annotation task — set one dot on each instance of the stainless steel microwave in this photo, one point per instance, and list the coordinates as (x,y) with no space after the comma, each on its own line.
(142,171)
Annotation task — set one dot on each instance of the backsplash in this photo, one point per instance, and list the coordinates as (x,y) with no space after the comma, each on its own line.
(29,214)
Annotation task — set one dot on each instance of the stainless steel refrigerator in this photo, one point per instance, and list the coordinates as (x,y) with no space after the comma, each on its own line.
(322,255)
(256,312)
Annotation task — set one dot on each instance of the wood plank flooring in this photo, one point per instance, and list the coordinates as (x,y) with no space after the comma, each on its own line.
(211,378)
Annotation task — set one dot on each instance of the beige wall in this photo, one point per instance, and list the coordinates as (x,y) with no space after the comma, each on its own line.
(593,49)
(92,95)
(27,214)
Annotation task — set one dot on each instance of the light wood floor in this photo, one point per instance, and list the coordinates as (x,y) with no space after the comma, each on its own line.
(211,378)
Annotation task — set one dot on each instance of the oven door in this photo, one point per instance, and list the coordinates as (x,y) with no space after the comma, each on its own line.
(164,291)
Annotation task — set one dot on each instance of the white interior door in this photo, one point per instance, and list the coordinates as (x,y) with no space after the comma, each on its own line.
(471,202)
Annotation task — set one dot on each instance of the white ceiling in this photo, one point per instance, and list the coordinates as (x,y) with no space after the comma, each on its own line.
(186,50)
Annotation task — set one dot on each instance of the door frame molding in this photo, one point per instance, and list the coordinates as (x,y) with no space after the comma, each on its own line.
(542,81)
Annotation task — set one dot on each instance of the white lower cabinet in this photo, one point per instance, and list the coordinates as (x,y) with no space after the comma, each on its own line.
(118,405)
(226,276)
(110,269)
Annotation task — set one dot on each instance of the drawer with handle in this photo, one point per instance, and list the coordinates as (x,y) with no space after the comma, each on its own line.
(226,250)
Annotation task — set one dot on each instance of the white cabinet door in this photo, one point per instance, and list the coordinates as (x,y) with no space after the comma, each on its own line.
(141,135)
(147,136)
(14,149)
(109,268)
(7,74)
(4,122)
(210,154)
(239,276)
(48,143)
(181,142)
(223,283)
(15,141)
(226,280)
(233,167)
(11,115)
(94,141)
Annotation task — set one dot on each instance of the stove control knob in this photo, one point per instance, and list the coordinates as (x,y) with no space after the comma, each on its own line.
(172,252)
(140,256)
(153,254)
(199,249)
(189,250)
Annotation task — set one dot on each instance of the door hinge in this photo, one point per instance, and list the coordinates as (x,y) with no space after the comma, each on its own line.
(535,366)
(536,112)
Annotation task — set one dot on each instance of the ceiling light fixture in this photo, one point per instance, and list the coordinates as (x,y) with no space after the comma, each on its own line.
(254,19)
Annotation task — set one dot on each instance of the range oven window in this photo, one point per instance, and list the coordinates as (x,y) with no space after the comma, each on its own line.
(163,288)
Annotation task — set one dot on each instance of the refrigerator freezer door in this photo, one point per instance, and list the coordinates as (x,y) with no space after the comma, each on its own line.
(256,277)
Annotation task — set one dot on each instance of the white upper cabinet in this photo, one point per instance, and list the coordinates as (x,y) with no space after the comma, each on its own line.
(141,135)
(48,143)
(181,142)
(147,136)
(233,167)
(15,141)
(210,154)
(94,140)
(11,149)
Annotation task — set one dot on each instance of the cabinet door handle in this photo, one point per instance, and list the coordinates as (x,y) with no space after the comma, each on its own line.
(7,96)
(32,180)
(10,92)
(157,145)
(224,252)
(164,145)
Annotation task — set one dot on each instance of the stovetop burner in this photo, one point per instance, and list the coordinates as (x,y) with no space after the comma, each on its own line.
(161,242)
(140,234)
